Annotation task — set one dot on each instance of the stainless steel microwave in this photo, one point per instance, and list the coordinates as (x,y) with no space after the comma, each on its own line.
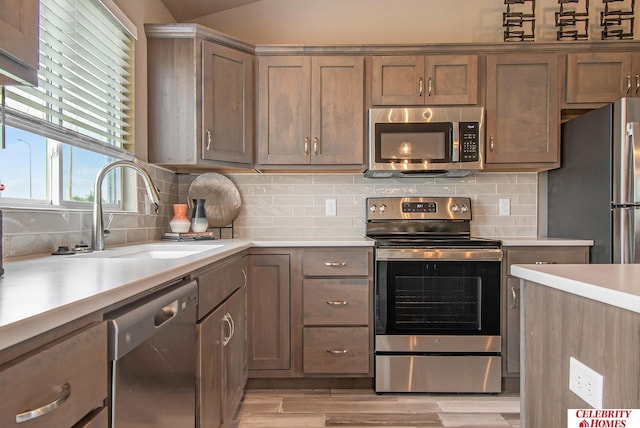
(425,141)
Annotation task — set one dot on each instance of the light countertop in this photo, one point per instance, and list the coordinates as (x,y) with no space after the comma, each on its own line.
(544,241)
(40,293)
(616,285)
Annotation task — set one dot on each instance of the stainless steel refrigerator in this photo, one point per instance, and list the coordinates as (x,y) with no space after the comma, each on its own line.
(596,192)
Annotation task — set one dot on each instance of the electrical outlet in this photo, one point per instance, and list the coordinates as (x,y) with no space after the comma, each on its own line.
(586,383)
(330,207)
(505,207)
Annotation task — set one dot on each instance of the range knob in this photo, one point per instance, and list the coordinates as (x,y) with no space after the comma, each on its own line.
(455,208)
(383,207)
(464,208)
(373,208)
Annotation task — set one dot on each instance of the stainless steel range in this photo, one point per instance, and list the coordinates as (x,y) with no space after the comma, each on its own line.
(437,298)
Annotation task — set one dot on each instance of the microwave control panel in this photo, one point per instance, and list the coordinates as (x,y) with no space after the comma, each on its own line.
(469,141)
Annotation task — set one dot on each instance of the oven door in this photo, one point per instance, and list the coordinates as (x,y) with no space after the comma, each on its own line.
(438,297)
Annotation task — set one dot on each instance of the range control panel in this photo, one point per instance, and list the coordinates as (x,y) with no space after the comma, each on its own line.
(419,208)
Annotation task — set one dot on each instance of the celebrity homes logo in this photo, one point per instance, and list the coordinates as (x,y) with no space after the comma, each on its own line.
(603,418)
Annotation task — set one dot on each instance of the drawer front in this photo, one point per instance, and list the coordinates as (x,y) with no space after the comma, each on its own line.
(335,262)
(340,350)
(339,301)
(544,255)
(218,283)
(77,365)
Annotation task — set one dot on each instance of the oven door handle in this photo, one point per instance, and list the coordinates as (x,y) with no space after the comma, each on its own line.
(445,254)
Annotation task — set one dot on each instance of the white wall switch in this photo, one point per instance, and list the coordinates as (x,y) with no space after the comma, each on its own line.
(505,208)
(586,383)
(331,207)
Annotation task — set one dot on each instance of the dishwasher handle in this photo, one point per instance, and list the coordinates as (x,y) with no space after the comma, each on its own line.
(136,325)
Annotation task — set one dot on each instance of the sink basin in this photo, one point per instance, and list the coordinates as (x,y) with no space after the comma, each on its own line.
(151,252)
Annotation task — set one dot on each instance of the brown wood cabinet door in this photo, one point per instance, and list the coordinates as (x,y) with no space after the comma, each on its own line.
(210,369)
(284,102)
(337,110)
(19,53)
(234,355)
(227,119)
(600,77)
(451,79)
(397,80)
(268,312)
(523,109)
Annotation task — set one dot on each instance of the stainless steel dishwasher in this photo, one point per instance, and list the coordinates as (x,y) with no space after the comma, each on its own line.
(152,352)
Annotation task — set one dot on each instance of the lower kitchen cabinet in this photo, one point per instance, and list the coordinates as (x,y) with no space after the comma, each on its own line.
(59,385)
(310,312)
(222,363)
(268,315)
(511,293)
(221,370)
(337,293)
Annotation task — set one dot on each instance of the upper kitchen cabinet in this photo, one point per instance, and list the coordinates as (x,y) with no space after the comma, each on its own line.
(601,77)
(523,112)
(311,112)
(201,88)
(424,80)
(19,55)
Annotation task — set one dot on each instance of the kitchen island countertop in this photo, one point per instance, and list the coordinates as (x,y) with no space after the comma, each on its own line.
(616,285)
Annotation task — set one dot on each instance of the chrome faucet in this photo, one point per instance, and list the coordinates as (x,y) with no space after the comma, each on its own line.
(97,232)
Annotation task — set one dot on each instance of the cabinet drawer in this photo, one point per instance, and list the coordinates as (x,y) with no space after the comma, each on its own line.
(336,350)
(335,262)
(547,255)
(77,365)
(219,282)
(343,301)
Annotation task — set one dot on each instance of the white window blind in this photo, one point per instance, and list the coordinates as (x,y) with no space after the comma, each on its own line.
(85,81)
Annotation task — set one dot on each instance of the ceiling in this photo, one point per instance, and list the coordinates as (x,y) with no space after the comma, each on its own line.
(185,10)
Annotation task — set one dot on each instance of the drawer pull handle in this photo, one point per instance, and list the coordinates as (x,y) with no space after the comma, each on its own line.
(337,302)
(514,298)
(65,392)
(546,263)
(335,264)
(337,351)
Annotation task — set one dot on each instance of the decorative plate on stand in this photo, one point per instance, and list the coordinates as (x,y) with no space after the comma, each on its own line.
(222,198)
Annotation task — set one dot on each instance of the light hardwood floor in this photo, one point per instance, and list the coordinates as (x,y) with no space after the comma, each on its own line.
(298,408)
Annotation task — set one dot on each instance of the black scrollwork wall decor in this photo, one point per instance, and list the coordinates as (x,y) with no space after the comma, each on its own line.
(617,23)
(572,21)
(519,21)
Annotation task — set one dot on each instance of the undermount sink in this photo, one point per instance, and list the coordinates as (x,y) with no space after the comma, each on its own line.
(152,252)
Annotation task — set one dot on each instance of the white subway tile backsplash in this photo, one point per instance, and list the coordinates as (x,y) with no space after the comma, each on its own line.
(285,206)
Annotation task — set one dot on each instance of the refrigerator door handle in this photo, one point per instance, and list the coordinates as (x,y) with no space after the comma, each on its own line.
(631,166)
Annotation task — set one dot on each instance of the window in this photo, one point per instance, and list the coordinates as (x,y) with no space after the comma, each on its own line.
(59,135)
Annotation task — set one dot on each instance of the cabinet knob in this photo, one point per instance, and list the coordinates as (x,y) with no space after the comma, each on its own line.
(491,144)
